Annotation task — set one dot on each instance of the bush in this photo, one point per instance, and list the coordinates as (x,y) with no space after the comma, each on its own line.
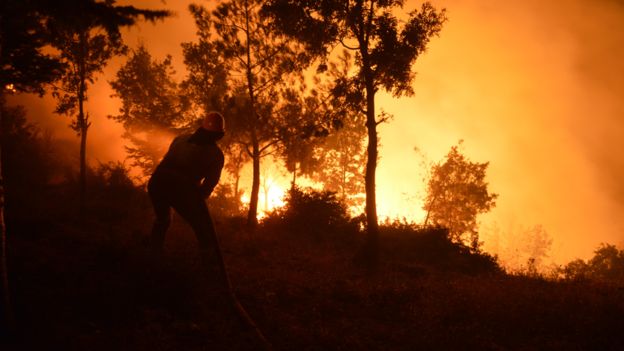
(28,164)
(224,204)
(606,266)
(432,246)
(112,195)
(318,215)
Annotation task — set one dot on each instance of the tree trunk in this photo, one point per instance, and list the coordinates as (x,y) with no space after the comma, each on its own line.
(252,216)
(82,128)
(371,249)
(83,166)
(294,178)
(370,252)
(6,310)
(265,189)
(236,185)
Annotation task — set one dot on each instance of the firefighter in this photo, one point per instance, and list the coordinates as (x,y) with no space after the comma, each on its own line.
(184,179)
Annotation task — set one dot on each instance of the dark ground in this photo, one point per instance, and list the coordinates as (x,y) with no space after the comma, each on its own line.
(98,289)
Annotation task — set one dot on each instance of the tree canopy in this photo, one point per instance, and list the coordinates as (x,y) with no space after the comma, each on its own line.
(24,67)
(153,106)
(385,50)
(456,193)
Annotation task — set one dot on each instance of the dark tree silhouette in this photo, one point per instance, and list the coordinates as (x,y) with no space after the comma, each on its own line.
(307,121)
(607,266)
(456,193)
(23,68)
(385,49)
(342,159)
(256,61)
(87,33)
(153,107)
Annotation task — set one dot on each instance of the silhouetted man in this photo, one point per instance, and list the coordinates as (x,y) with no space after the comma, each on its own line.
(184,179)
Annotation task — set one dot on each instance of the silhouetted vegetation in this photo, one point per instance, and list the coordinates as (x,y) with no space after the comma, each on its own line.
(456,193)
(408,244)
(87,34)
(317,215)
(607,266)
(304,293)
(24,67)
(385,50)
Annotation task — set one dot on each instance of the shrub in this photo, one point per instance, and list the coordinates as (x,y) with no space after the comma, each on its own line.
(223,202)
(113,195)
(411,243)
(318,215)
(606,266)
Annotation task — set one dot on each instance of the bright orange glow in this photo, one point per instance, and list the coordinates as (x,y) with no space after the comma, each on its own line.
(10,88)
(271,198)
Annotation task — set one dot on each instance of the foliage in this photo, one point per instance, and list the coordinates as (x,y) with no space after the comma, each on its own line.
(115,198)
(206,81)
(410,243)
(24,67)
(29,162)
(456,193)
(224,203)
(153,107)
(342,154)
(301,131)
(607,265)
(318,215)
(385,47)
(87,34)
(337,159)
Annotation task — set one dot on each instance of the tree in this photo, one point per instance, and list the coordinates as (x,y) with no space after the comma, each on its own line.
(87,34)
(385,50)
(153,107)
(23,68)
(456,193)
(607,265)
(342,155)
(307,121)
(256,60)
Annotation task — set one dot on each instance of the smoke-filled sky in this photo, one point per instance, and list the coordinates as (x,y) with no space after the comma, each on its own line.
(534,87)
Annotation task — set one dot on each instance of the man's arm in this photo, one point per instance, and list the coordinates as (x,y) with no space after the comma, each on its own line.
(212,177)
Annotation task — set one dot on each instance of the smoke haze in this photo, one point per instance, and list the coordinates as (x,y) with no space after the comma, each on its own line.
(534,87)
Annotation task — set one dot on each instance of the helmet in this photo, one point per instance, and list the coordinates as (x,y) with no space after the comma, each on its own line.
(214,122)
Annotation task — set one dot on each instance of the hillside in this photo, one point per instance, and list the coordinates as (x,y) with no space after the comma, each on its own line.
(98,289)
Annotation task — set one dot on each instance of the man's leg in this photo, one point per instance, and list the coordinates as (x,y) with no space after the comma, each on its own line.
(162,211)
(194,210)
